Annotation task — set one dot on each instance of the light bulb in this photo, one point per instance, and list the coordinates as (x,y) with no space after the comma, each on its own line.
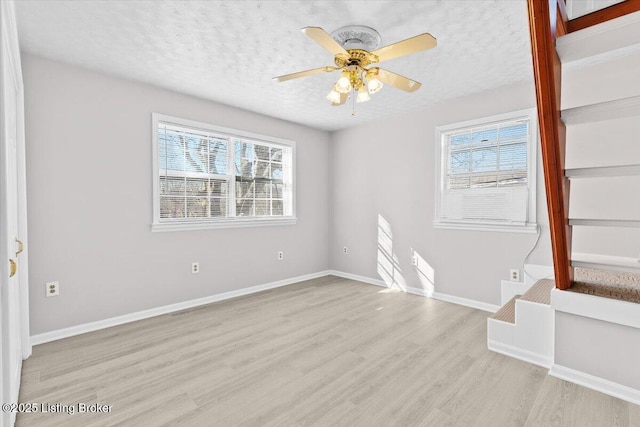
(363,95)
(344,84)
(374,85)
(373,82)
(334,96)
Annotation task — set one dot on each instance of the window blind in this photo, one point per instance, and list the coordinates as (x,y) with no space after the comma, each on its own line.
(485,173)
(259,179)
(205,175)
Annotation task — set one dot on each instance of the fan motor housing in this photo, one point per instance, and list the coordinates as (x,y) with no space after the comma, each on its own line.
(358,57)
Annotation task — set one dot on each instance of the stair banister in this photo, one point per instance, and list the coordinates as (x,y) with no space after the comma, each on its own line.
(599,16)
(543,29)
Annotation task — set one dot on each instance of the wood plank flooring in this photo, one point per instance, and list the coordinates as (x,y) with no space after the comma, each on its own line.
(325,352)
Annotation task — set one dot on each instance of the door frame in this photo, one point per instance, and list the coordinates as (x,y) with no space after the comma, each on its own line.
(10,44)
(11,34)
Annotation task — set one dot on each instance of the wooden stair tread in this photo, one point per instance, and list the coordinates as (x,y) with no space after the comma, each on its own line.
(607,283)
(507,312)
(540,292)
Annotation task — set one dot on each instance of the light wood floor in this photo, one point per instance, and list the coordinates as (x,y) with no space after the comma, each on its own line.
(326,352)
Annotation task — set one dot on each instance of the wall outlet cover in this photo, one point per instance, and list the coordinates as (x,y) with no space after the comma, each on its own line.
(52,289)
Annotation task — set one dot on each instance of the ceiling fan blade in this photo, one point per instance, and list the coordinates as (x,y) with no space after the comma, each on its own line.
(343,99)
(325,40)
(306,73)
(398,81)
(406,47)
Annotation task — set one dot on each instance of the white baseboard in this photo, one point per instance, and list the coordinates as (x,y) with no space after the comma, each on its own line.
(520,354)
(596,383)
(466,302)
(359,278)
(145,314)
(417,291)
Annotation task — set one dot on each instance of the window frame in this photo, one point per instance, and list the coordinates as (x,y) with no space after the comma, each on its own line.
(196,223)
(441,151)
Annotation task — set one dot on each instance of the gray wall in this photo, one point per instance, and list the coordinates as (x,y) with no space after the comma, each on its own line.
(386,169)
(603,349)
(90,202)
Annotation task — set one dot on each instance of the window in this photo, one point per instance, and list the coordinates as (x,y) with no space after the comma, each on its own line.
(206,176)
(486,173)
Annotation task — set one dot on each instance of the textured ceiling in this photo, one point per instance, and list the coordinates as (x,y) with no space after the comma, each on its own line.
(228,51)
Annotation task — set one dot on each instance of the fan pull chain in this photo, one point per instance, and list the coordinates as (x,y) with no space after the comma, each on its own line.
(353,101)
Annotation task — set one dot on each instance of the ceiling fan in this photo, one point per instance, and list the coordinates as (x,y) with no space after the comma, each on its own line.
(354,49)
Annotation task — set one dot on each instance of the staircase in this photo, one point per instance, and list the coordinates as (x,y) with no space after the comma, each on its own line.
(587,326)
(597,319)
(523,327)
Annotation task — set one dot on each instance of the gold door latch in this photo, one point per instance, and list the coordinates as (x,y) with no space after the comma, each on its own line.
(13,268)
(20,246)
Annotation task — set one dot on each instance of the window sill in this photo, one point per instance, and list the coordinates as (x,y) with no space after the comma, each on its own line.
(227,223)
(484,226)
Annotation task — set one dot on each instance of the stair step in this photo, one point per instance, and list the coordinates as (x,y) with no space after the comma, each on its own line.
(605,198)
(604,262)
(625,107)
(585,147)
(611,240)
(604,222)
(603,171)
(601,82)
(540,292)
(618,285)
(507,312)
(609,37)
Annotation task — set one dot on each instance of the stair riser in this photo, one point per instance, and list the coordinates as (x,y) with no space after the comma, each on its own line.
(599,348)
(612,80)
(532,332)
(535,328)
(605,198)
(586,143)
(613,241)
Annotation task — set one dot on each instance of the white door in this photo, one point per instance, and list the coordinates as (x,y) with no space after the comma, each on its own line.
(12,291)
(10,306)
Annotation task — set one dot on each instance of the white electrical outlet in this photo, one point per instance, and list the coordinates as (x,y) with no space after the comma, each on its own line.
(514,275)
(280,255)
(52,289)
(195,267)
(414,259)
(345,250)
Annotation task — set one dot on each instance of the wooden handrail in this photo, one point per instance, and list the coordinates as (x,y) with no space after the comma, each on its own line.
(548,20)
(603,15)
(543,29)
(561,18)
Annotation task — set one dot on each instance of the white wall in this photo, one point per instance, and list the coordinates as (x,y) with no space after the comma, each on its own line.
(89,194)
(386,170)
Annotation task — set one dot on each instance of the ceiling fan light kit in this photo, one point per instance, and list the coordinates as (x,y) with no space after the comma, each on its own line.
(354,48)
